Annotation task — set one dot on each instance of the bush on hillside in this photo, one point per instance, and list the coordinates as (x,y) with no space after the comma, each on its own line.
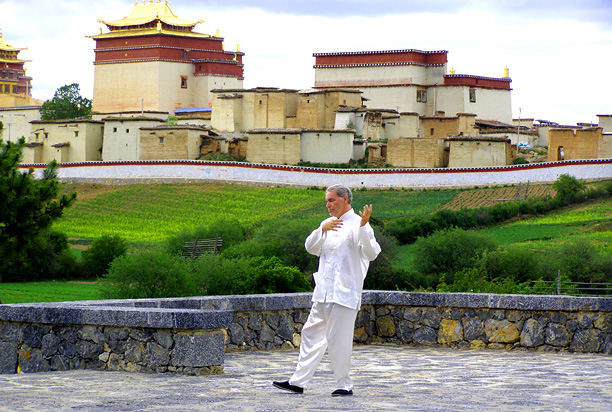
(148,274)
(281,238)
(449,251)
(471,280)
(515,264)
(98,257)
(218,275)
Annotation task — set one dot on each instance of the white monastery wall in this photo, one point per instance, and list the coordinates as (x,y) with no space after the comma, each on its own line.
(270,175)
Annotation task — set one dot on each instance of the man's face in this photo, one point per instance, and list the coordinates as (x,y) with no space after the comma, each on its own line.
(336,205)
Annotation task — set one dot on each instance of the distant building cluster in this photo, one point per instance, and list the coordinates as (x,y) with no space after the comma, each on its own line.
(163,91)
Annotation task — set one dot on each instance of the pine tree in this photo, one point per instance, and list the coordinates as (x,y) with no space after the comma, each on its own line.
(28,206)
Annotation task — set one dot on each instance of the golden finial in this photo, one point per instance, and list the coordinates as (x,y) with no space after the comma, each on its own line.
(151,2)
(506,72)
(452,71)
(218,34)
(223,46)
(238,47)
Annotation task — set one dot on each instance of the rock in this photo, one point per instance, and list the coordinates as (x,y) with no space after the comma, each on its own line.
(501,331)
(473,329)
(255,321)
(89,350)
(50,345)
(236,334)
(431,317)
(156,355)
(360,335)
(405,330)
(385,327)
(134,351)
(450,331)
(31,360)
(478,344)
(532,334)
(9,332)
(266,334)
(296,340)
(586,340)
(8,357)
(104,356)
(92,333)
(604,322)
(585,320)
(424,336)
(412,314)
(285,327)
(607,346)
(164,338)
(556,335)
(199,350)
(32,336)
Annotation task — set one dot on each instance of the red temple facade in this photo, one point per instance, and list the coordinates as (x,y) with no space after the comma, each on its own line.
(153,60)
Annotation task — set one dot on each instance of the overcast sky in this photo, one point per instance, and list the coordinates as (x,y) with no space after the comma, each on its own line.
(559,52)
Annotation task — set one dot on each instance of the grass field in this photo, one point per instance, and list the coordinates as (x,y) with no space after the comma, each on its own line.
(149,213)
(52,291)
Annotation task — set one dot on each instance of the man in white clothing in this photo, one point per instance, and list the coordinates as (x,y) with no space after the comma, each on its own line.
(346,245)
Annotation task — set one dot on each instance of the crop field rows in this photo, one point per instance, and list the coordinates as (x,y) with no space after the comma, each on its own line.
(472,199)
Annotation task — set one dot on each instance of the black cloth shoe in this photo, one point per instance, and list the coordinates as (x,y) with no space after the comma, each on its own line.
(286,386)
(342,392)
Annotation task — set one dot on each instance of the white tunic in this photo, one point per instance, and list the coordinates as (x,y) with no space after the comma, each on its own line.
(345,255)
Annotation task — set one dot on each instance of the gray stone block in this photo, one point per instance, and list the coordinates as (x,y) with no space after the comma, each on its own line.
(532,334)
(31,360)
(556,335)
(586,340)
(8,357)
(580,303)
(248,303)
(10,332)
(50,345)
(425,336)
(199,349)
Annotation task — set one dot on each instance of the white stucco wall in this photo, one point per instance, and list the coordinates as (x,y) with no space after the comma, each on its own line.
(270,175)
(326,146)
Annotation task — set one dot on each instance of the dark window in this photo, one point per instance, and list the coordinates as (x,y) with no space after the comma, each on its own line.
(183,82)
(472,95)
(422,96)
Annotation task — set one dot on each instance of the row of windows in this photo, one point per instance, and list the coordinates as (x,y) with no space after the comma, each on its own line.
(8,56)
(9,75)
(6,88)
(421,96)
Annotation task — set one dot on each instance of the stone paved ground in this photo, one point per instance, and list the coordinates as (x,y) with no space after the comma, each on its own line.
(387,378)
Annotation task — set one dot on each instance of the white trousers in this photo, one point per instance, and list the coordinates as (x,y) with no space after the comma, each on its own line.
(329,326)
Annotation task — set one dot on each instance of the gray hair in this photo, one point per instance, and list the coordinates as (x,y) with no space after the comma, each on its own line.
(341,191)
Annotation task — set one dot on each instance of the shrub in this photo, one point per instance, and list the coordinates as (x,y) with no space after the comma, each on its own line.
(517,264)
(568,188)
(449,251)
(98,257)
(217,275)
(381,274)
(283,238)
(148,274)
(472,280)
(269,275)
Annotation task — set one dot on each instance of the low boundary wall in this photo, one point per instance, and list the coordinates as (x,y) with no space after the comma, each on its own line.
(191,335)
(184,171)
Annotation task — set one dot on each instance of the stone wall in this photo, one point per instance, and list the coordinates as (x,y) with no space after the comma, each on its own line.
(191,335)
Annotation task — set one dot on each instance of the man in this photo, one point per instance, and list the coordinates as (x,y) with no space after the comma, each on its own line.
(346,245)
